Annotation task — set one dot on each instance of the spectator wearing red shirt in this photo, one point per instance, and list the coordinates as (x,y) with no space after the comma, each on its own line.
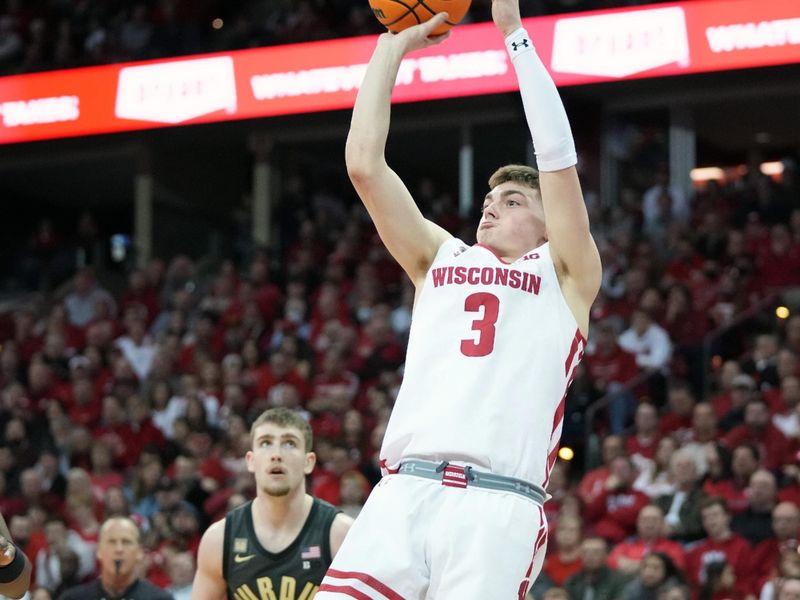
(627,556)
(139,292)
(325,482)
(103,476)
(609,368)
(779,263)
(593,481)
(612,514)
(720,543)
(744,462)
(786,532)
(678,420)
(282,369)
(686,326)
(645,439)
(759,431)
(566,560)
(724,377)
(334,388)
(83,404)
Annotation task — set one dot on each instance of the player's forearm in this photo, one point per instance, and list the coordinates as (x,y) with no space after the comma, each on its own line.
(544,111)
(369,126)
(15,578)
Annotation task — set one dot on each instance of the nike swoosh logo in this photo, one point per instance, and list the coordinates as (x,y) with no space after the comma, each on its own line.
(240,559)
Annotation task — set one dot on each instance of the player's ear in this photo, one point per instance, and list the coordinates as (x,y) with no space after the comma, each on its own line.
(311,460)
(248,458)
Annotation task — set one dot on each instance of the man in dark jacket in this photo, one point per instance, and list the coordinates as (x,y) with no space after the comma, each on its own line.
(596,581)
(120,554)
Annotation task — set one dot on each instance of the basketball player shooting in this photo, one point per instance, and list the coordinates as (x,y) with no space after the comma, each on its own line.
(498,329)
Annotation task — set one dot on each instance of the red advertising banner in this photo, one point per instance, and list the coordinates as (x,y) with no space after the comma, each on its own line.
(582,48)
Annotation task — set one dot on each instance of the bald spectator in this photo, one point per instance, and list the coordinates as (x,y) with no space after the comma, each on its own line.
(759,430)
(682,508)
(596,581)
(755,521)
(786,532)
(612,514)
(720,542)
(627,556)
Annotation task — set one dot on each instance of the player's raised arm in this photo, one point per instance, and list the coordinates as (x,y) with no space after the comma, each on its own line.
(209,582)
(411,239)
(571,243)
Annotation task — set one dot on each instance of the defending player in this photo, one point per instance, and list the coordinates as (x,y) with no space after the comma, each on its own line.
(280,544)
(498,329)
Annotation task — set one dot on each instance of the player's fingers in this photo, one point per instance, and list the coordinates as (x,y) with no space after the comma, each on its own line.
(434,22)
(438,39)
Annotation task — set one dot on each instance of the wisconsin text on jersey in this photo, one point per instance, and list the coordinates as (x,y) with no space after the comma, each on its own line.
(268,591)
(513,278)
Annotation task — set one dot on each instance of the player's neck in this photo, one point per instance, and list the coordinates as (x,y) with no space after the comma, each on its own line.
(283,512)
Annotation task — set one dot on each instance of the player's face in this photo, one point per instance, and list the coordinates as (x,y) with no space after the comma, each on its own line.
(512,220)
(279,460)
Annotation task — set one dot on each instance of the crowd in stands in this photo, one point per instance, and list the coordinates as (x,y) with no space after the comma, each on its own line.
(39,35)
(139,401)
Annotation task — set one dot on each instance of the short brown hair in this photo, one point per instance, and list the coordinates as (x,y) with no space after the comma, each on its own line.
(522,174)
(283,417)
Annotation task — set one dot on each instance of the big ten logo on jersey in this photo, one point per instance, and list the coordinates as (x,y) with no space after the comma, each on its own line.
(267,590)
(531,256)
(461,250)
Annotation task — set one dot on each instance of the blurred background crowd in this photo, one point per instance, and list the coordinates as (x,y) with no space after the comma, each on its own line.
(37,35)
(132,394)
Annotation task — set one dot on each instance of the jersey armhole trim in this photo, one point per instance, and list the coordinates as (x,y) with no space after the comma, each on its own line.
(227,544)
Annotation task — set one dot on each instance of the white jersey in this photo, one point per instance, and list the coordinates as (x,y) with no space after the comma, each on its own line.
(491,353)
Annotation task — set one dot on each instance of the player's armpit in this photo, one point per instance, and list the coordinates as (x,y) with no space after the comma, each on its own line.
(339,528)
(411,239)
(209,583)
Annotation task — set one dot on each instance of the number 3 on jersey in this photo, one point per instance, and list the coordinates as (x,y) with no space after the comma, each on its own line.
(490,304)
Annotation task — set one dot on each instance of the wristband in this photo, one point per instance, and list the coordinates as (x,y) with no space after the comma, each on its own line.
(13,569)
(518,42)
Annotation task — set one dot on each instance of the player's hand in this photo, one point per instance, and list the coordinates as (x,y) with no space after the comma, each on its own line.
(505,14)
(418,37)
(7,552)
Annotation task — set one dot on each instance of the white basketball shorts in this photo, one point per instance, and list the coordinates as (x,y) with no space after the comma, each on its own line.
(417,539)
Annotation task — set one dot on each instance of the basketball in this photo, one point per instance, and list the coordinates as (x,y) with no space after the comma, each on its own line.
(397,15)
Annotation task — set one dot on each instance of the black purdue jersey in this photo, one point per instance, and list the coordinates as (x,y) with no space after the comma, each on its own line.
(252,573)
